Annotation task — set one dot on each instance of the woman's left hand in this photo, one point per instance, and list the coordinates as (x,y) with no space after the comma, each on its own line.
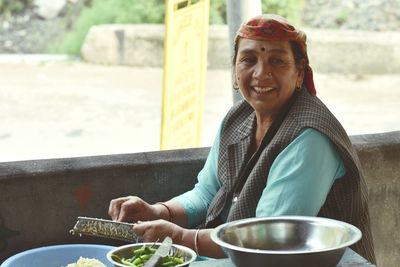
(156,231)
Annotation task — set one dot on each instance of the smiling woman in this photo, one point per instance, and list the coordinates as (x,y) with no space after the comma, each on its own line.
(279,151)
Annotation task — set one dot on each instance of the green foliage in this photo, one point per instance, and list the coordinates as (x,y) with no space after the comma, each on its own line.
(218,11)
(150,11)
(121,11)
(342,17)
(109,12)
(13,6)
(290,9)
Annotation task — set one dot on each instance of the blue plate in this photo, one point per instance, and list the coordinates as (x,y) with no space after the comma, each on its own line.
(59,255)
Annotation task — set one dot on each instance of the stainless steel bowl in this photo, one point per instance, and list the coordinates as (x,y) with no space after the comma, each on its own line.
(285,241)
(127,252)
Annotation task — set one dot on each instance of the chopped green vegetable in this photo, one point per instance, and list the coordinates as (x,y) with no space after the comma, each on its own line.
(143,254)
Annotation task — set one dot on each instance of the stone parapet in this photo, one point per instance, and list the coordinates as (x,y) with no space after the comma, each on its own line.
(340,51)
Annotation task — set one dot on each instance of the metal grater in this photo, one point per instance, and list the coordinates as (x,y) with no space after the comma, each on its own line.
(104,228)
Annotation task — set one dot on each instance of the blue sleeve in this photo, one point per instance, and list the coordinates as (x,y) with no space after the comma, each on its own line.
(197,201)
(301,176)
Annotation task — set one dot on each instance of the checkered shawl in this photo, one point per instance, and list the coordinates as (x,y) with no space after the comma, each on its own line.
(347,200)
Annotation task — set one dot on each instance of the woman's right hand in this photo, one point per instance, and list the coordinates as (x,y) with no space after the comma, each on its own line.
(132,209)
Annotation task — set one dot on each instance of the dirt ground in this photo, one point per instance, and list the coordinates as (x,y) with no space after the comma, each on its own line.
(70,109)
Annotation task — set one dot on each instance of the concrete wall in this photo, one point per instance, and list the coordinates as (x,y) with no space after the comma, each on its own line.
(40,199)
(341,51)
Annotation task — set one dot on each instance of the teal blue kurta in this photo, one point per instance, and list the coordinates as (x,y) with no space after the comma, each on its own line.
(299,180)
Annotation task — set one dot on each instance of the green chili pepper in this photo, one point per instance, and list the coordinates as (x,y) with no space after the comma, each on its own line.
(128,263)
(168,264)
(143,254)
(142,259)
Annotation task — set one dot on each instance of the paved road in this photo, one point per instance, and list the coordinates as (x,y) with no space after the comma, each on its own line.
(69,109)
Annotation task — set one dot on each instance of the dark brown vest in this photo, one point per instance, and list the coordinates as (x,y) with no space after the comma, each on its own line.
(347,200)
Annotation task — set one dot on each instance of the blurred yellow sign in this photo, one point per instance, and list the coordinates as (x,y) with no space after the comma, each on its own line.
(185,65)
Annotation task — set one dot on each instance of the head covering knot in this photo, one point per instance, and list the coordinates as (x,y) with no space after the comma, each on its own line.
(272,27)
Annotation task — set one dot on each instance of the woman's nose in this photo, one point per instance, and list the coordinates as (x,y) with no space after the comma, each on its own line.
(262,71)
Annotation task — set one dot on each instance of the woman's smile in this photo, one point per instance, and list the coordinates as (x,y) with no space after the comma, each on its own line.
(263,90)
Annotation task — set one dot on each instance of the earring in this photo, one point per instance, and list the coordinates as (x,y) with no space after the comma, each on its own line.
(235,84)
(298,87)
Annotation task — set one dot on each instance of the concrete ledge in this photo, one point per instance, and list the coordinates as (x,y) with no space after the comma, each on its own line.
(379,155)
(40,199)
(341,51)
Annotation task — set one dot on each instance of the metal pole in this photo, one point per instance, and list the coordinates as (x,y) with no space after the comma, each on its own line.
(239,11)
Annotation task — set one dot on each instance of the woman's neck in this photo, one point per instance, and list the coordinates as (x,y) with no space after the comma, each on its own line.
(263,124)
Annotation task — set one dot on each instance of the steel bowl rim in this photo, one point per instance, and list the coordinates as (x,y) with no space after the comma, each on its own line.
(183,248)
(223,244)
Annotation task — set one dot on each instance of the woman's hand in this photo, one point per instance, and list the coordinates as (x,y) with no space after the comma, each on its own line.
(153,231)
(132,209)
(156,231)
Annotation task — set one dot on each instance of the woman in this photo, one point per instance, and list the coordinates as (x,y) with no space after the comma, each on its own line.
(278,152)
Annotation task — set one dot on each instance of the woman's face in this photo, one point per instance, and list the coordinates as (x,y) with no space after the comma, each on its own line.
(267,74)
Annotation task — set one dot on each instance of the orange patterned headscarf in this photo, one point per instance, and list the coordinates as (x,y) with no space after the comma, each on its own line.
(272,27)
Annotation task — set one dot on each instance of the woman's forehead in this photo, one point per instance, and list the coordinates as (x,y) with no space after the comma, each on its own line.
(263,45)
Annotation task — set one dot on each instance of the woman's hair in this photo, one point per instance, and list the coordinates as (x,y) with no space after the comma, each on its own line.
(235,51)
(298,55)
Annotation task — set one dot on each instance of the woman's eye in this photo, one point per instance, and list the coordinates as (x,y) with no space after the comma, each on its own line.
(249,60)
(276,61)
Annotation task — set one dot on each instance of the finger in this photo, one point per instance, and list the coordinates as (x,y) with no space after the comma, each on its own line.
(153,231)
(139,228)
(131,210)
(115,207)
